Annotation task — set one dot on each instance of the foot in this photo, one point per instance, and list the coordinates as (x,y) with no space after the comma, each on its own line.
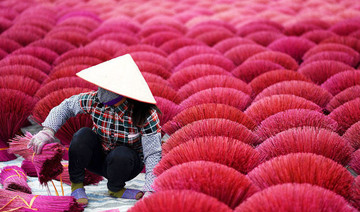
(80,196)
(127,193)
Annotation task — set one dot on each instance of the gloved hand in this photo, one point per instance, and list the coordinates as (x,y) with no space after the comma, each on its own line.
(45,136)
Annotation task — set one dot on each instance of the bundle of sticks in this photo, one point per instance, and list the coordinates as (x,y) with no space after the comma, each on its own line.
(90,177)
(47,164)
(14,178)
(19,201)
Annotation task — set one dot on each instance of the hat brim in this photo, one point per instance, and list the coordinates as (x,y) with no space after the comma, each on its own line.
(121,76)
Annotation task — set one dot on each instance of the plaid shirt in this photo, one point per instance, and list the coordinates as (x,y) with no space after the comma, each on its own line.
(114,124)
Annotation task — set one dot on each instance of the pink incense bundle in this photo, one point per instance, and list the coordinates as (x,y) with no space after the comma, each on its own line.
(249,70)
(18,201)
(176,44)
(214,36)
(294,46)
(14,178)
(238,54)
(229,43)
(320,71)
(280,58)
(90,177)
(47,164)
(258,25)
(158,38)
(28,168)
(264,38)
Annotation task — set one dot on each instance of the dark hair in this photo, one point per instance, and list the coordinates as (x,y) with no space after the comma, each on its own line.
(141,111)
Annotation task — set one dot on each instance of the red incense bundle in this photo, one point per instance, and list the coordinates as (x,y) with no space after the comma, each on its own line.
(14,178)
(47,164)
(90,177)
(295,197)
(18,201)
(355,193)
(4,155)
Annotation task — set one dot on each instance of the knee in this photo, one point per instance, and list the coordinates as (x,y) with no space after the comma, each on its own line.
(82,138)
(121,156)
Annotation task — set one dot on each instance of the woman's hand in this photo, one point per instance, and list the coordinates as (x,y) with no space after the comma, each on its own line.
(43,137)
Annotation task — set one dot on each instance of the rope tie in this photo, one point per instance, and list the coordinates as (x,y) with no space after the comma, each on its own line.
(15,175)
(28,205)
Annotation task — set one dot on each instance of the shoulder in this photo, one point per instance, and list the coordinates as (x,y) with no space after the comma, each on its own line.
(153,115)
(152,123)
(88,99)
(88,95)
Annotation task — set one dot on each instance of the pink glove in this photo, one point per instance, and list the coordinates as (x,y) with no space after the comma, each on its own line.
(45,136)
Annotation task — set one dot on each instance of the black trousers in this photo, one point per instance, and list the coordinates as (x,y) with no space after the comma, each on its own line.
(118,166)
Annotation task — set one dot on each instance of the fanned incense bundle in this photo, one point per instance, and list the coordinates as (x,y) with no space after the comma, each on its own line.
(217,180)
(180,201)
(303,168)
(47,164)
(355,193)
(295,197)
(14,178)
(18,201)
(16,107)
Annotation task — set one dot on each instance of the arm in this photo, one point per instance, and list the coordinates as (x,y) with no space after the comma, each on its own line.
(152,155)
(68,108)
(151,143)
(56,118)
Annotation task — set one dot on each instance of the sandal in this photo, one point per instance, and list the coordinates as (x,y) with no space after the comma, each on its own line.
(130,194)
(80,196)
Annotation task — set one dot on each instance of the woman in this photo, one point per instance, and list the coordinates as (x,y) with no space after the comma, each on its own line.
(126,133)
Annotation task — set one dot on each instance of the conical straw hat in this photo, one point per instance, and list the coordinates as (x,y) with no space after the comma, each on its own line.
(120,75)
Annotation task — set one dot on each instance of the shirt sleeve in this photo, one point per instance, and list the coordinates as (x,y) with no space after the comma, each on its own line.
(151,144)
(68,108)
(152,155)
(88,101)
(151,124)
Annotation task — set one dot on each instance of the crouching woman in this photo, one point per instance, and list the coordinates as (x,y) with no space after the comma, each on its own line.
(126,132)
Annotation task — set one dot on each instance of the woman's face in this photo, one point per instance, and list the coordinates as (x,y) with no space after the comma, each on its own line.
(108,97)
